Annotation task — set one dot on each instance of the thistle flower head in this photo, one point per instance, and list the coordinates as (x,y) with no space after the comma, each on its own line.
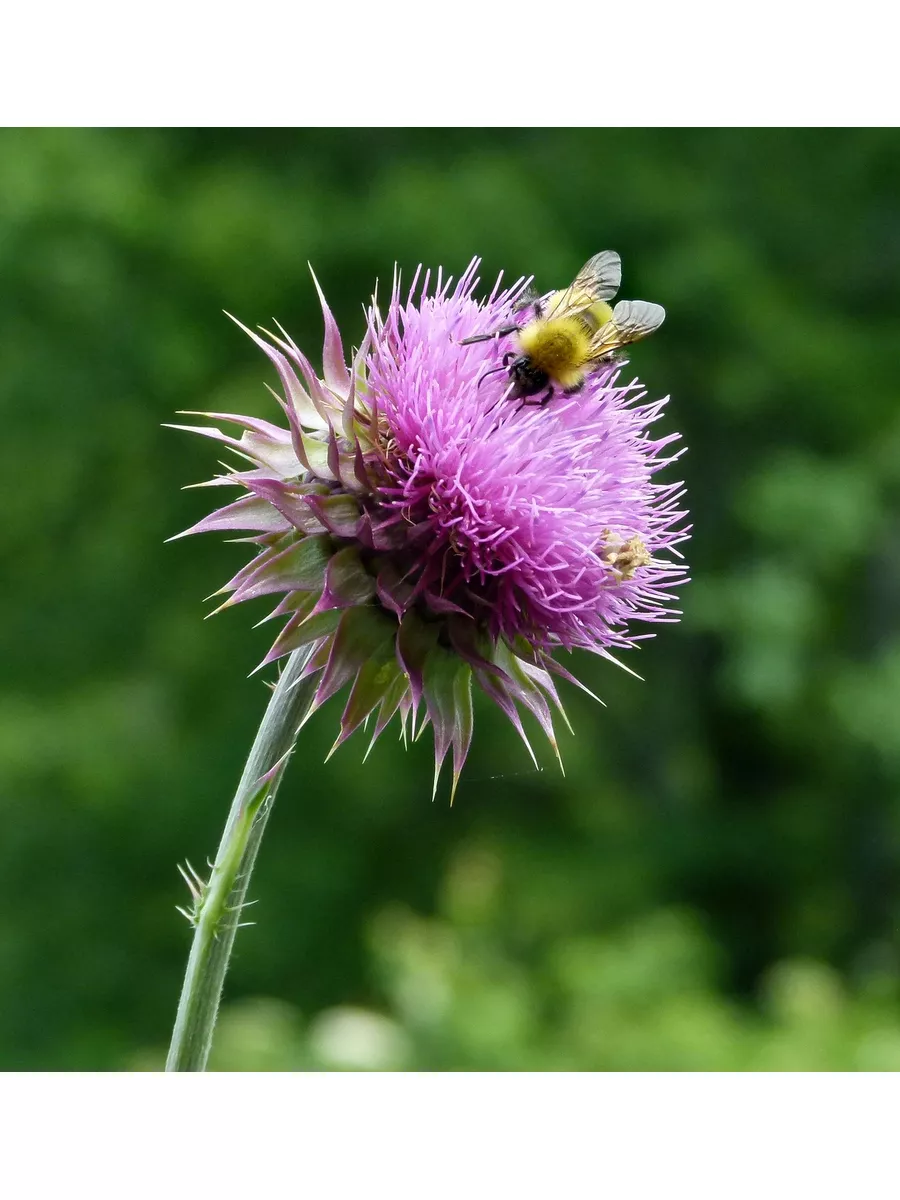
(422,531)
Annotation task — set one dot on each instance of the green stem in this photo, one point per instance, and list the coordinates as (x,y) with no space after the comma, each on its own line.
(217,912)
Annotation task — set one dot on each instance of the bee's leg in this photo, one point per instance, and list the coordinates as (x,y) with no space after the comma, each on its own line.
(537,402)
(504,331)
(529,299)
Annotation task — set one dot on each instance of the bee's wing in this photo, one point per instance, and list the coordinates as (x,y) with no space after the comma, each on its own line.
(634,319)
(600,277)
(631,321)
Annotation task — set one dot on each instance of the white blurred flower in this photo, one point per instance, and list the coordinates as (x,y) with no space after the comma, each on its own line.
(356,1039)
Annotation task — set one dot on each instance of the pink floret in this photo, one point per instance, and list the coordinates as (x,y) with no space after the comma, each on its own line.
(514,503)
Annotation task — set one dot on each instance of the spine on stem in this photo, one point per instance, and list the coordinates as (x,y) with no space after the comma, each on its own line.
(219,901)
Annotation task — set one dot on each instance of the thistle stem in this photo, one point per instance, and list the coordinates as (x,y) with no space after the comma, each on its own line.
(219,902)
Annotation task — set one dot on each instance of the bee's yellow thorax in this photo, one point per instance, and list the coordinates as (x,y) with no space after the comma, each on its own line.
(569,303)
(598,315)
(559,346)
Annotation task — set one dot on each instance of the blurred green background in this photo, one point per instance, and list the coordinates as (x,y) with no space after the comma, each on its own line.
(714,883)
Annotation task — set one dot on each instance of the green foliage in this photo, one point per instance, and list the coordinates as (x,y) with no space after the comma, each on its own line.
(714,883)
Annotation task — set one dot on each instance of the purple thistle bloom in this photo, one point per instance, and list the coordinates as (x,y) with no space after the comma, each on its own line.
(423,529)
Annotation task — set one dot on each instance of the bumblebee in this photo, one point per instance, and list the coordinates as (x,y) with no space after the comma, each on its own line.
(572,332)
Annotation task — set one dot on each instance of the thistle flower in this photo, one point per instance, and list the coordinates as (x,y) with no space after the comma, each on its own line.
(422,532)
